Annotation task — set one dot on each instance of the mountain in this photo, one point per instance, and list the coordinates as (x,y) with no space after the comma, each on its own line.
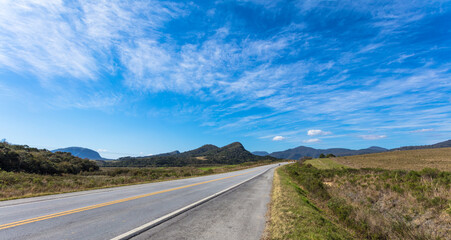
(167,154)
(296,153)
(261,153)
(233,153)
(81,153)
(200,151)
(443,144)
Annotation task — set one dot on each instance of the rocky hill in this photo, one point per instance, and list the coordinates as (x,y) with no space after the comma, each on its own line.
(233,153)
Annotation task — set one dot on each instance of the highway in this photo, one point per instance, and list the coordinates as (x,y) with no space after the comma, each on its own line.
(122,212)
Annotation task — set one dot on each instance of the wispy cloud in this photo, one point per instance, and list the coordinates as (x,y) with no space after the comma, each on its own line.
(422,130)
(372,137)
(316,132)
(278,138)
(313,140)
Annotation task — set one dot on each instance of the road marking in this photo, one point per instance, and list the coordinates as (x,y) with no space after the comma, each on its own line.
(54,215)
(149,225)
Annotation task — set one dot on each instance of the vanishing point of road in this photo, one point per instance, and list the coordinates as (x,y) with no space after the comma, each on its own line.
(222,206)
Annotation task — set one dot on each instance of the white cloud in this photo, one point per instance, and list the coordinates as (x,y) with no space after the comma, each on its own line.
(372,137)
(423,130)
(313,140)
(102,150)
(315,132)
(278,138)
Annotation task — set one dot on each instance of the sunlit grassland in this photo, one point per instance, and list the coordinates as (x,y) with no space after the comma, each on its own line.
(19,184)
(324,163)
(439,158)
(372,203)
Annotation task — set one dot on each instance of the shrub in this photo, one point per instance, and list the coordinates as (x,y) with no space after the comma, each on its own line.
(340,208)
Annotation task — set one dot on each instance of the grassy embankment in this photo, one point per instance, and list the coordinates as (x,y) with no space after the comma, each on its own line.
(372,203)
(293,216)
(19,184)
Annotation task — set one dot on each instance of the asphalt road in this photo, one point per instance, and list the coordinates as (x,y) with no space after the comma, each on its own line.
(237,214)
(108,213)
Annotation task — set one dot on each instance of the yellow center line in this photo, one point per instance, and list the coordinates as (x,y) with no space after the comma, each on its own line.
(54,215)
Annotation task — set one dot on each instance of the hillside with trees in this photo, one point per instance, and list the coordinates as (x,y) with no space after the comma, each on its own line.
(21,158)
(233,153)
(81,153)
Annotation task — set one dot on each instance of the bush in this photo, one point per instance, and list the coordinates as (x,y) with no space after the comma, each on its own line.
(340,208)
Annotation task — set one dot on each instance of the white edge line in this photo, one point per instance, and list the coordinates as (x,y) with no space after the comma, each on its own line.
(158,221)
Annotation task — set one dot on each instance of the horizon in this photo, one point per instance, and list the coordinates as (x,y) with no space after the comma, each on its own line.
(137,155)
(150,77)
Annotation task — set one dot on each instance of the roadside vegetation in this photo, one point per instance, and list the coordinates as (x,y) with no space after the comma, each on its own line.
(293,215)
(21,184)
(371,203)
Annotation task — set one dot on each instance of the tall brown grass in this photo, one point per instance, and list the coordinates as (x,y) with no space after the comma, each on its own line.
(439,158)
(381,204)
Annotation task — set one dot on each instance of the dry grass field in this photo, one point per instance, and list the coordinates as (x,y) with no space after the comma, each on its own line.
(370,203)
(439,158)
(391,195)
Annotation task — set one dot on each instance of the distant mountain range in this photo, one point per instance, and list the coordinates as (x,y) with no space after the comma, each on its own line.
(81,153)
(233,153)
(298,152)
(261,153)
(437,145)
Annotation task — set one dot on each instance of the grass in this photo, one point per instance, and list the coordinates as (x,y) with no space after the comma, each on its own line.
(294,216)
(324,163)
(439,158)
(391,195)
(378,203)
(15,185)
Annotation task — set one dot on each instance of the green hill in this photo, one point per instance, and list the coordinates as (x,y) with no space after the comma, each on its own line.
(21,158)
(233,153)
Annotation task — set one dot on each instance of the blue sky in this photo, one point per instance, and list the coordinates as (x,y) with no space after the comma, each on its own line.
(144,77)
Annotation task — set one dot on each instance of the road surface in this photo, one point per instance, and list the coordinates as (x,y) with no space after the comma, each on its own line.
(110,213)
(237,214)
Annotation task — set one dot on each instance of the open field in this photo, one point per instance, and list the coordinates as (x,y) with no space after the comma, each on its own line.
(439,158)
(372,203)
(324,163)
(19,184)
